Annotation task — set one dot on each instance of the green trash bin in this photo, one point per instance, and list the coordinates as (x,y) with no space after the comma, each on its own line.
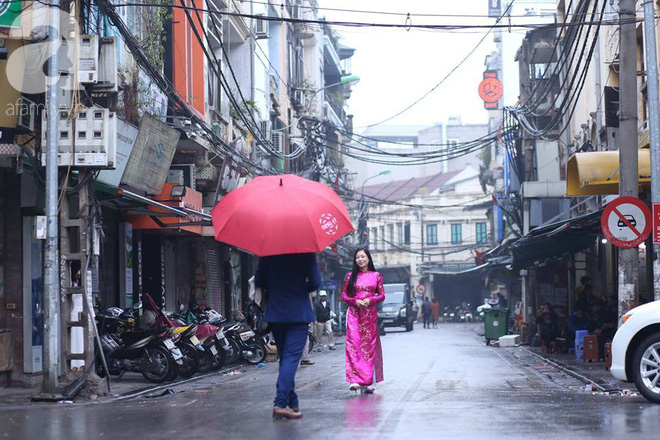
(495,321)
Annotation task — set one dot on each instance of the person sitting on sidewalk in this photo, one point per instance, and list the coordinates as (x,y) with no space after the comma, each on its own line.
(577,321)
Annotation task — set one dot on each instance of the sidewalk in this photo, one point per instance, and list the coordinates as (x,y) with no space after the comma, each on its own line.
(129,386)
(588,372)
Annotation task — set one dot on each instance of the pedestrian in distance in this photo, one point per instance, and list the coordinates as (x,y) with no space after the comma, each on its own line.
(435,312)
(363,291)
(323,322)
(305,360)
(288,280)
(426,313)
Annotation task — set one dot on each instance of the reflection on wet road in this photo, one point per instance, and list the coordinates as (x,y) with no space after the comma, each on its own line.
(439,383)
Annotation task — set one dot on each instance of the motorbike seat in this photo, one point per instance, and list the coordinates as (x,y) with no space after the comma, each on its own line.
(130,337)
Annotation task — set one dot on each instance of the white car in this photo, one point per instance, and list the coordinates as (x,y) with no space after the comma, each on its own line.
(636,350)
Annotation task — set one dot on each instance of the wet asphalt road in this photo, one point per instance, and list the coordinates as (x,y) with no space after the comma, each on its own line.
(439,383)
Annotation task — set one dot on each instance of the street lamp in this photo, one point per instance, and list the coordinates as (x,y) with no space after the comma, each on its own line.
(362,218)
(349,79)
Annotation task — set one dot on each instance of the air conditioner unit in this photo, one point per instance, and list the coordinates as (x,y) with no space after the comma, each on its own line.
(261,28)
(88,61)
(264,128)
(206,173)
(27,114)
(277,138)
(189,174)
(89,140)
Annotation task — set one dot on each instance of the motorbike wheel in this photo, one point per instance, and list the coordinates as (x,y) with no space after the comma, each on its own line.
(204,361)
(219,359)
(156,365)
(258,350)
(234,352)
(409,326)
(190,360)
(100,371)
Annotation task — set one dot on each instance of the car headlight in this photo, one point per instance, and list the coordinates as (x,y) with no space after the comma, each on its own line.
(624,318)
(402,312)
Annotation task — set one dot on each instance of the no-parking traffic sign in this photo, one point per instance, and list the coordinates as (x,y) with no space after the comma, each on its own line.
(626,222)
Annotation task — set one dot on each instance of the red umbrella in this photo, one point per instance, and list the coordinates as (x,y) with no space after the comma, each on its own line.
(284,214)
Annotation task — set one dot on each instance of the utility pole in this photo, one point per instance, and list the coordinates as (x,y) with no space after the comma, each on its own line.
(654,125)
(51,347)
(628,276)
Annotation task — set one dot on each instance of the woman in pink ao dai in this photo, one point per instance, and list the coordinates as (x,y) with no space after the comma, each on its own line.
(363,290)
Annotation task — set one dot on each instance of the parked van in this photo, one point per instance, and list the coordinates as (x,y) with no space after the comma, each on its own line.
(398,309)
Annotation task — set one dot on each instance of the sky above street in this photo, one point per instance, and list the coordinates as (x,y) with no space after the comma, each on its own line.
(397,66)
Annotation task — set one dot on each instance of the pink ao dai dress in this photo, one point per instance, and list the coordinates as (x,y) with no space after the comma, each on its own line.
(364,355)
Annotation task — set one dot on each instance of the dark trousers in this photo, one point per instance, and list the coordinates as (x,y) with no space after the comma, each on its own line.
(290,339)
(427,321)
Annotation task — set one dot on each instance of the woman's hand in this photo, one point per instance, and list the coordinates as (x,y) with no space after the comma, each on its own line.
(363,303)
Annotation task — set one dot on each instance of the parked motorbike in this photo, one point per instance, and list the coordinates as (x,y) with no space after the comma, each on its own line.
(151,352)
(212,334)
(447,314)
(245,344)
(202,342)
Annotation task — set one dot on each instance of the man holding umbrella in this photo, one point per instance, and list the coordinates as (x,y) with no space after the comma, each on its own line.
(288,279)
(285,220)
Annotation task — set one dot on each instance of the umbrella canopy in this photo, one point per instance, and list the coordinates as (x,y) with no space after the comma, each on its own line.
(283,214)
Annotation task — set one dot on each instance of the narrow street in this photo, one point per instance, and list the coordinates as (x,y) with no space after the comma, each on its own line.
(439,382)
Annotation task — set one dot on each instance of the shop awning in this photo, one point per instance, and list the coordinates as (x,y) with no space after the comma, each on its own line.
(158,213)
(556,240)
(597,173)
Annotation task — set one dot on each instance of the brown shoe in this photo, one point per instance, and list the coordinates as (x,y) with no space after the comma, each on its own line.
(285,413)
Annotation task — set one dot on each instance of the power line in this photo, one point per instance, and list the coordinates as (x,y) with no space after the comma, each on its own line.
(400,14)
(454,69)
(405,26)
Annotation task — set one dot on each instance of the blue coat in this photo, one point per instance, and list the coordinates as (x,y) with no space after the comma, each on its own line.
(288,279)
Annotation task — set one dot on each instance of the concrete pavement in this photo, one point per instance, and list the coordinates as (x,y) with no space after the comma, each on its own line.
(439,383)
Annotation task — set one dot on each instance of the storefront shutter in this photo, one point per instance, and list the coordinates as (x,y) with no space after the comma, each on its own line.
(214,273)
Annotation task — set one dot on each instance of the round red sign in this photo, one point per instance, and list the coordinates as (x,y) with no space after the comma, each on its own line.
(490,90)
(626,222)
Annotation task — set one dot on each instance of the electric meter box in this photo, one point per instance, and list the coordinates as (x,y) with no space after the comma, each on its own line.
(88,140)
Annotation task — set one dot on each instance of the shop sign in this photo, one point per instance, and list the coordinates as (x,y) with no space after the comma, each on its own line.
(490,90)
(656,223)
(626,222)
(152,156)
(10,13)
(494,8)
(191,200)
(126,136)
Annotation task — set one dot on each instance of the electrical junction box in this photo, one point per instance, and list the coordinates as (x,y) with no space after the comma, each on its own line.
(88,140)
(88,59)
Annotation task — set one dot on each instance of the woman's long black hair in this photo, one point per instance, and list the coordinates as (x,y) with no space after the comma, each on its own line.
(350,289)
